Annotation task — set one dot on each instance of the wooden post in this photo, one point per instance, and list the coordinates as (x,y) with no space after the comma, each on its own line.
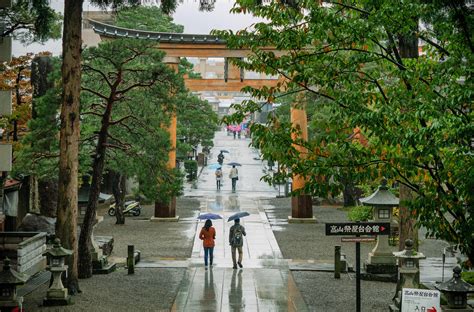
(337,261)
(131,259)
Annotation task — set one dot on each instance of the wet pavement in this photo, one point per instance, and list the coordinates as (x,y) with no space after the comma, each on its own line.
(265,283)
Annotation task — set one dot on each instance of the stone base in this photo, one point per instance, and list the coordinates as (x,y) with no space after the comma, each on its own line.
(393,308)
(136,256)
(301,220)
(388,278)
(381,268)
(172,219)
(103,269)
(106,243)
(48,302)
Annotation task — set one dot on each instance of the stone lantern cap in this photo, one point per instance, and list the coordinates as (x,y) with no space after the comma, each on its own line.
(11,277)
(456,284)
(57,250)
(381,197)
(408,252)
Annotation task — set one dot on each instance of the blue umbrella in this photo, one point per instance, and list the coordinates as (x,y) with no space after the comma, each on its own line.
(214,166)
(238,215)
(209,215)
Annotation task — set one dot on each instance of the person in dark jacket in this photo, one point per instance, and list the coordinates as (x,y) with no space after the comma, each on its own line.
(236,241)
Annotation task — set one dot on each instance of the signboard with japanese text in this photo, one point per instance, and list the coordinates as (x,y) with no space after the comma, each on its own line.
(358,228)
(420,300)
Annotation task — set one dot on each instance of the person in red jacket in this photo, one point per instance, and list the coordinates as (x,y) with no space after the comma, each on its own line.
(208,235)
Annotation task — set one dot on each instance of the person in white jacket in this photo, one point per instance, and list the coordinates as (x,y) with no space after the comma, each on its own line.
(234,175)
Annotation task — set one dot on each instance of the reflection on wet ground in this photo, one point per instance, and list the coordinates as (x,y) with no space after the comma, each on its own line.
(265,282)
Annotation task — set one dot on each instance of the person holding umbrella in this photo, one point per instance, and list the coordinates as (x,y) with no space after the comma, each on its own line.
(236,241)
(208,235)
(234,175)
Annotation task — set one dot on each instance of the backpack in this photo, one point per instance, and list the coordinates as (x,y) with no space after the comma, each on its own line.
(218,173)
(237,238)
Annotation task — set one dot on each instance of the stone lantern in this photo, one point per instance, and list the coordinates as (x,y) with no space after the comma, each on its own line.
(9,280)
(455,290)
(57,294)
(409,270)
(381,259)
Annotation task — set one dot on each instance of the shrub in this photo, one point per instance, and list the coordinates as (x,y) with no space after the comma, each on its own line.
(191,168)
(468,277)
(360,213)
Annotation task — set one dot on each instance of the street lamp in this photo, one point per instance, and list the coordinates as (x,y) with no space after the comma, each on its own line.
(409,270)
(456,290)
(57,294)
(381,259)
(9,280)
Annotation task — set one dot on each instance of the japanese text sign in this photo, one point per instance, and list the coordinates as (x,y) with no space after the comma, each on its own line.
(420,300)
(359,228)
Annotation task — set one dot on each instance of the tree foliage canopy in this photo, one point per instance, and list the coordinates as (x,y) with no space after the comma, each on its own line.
(147,18)
(30,20)
(415,112)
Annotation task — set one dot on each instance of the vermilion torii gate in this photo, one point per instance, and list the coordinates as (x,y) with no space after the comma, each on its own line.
(208,46)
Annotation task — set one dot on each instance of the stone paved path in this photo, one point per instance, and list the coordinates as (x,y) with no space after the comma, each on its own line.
(265,283)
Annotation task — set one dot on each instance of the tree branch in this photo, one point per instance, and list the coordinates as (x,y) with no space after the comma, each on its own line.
(104,76)
(95,93)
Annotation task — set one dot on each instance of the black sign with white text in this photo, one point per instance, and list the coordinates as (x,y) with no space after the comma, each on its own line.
(358,228)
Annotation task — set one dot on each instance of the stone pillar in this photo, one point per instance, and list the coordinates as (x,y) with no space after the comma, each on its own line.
(167,211)
(301,205)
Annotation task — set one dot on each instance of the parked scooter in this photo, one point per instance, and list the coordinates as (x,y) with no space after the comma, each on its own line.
(130,207)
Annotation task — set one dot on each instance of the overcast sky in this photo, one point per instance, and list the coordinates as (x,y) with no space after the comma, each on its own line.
(187,14)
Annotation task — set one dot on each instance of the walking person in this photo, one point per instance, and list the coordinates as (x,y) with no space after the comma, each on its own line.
(236,241)
(208,235)
(220,158)
(218,174)
(234,175)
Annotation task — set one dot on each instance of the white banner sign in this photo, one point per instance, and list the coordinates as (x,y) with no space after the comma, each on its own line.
(420,300)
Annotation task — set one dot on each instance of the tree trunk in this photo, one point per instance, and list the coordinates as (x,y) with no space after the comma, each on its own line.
(85,256)
(48,197)
(408,47)
(349,192)
(118,189)
(406,223)
(66,225)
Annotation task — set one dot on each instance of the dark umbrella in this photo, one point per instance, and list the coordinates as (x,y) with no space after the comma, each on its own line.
(209,215)
(238,215)
(225,151)
(234,164)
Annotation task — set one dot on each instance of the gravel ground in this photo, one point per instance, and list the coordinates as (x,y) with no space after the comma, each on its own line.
(144,290)
(154,239)
(320,290)
(323,293)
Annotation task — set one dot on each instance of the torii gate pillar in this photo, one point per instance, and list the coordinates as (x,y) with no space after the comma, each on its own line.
(301,204)
(167,211)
